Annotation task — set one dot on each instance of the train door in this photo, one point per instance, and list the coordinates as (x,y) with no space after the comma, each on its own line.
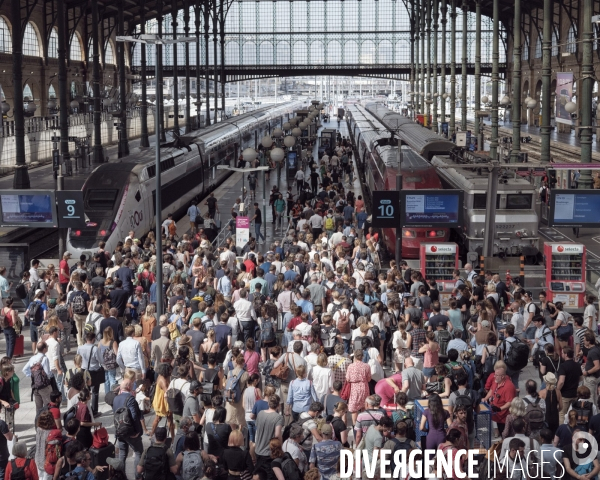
(201,172)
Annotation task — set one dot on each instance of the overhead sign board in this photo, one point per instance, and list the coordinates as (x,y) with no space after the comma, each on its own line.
(28,208)
(70,209)
(575,208)
(440,248)
(567,248)
(386,209)
(431,208)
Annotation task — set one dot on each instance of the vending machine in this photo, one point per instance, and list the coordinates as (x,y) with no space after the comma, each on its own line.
(438,261)
(565,273)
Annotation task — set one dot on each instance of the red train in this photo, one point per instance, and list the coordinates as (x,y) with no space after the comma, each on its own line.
(377,155)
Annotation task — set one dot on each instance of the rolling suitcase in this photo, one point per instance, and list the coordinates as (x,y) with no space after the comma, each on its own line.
(99,456)
(19,346)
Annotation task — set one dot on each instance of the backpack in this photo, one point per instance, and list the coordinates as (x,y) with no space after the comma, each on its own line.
(343,323)
(534,414)
(175,400)
(329,223)
(192,465)
(208,387)
(536,310)
(69,414)
(468,401)
(328,336)
(21,292)
(286,430)
(32,288)
(174,332)
(443,338)
(290,468)
(267,332)
(18,473)
(585,412)
(376,336)
(39,378)
(155,465)
(123,422)
(36,313)
(78,303)
(518,355)
(62,313)
(233,392)
(145,282)
(53,451)
(109,357)
(490,361)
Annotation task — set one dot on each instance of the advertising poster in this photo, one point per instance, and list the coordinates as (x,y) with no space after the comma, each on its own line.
(564,94)
(242,231)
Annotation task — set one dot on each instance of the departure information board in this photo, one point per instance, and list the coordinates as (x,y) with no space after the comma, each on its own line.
(431,208)
(28,208)
(575,208)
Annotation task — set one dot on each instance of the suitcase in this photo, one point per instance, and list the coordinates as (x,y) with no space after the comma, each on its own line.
(99,456)
(19,346)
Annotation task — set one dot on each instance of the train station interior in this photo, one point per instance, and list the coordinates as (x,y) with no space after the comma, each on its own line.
(490,107)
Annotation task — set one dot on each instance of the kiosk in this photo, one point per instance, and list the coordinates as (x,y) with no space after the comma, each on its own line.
(438,261)
(326,140)
(565,273)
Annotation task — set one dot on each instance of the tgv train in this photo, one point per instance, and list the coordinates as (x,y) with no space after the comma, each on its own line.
(378,156)
(516,219)
(120,197)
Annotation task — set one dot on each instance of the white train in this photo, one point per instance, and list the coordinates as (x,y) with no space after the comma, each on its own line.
(516,218)
(120,196)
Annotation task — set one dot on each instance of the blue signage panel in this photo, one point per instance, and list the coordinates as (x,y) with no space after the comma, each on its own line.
(575,208)
(431,208)
(386,212)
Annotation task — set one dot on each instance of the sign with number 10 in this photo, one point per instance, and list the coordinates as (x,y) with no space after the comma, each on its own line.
(386,211)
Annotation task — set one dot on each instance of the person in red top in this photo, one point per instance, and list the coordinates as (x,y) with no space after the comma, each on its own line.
(63,272)
(10,315)
(54,408)
(359,204)
(501,392)
(19,450)
(372,235)
(296,319)
(249,262)
(387,388)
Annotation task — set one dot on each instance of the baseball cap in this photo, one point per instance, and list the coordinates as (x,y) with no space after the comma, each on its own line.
(485,324)
(67,254)
(139,288)
(195,385)
(326,429)
(38,291)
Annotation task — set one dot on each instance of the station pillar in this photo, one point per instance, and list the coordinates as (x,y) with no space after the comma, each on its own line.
(516,85)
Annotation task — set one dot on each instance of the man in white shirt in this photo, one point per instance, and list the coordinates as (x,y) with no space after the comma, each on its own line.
(41,396)
(470,273)
(228,255)
(530,309)
(130,354)
(316,223)
(590,315)
(543,334)
(53,354)
(244,310)
(299,180)
(297,334)
(517,320)
(33,271)
(336,238)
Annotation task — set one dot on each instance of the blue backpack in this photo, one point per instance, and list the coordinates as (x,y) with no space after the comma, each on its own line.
(267,333)
(233,392)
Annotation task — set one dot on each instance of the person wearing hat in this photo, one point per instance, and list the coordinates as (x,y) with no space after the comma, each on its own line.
(156,452)
(551,395)
(63,271)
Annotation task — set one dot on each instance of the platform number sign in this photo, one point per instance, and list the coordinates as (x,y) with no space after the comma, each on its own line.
(70,209)
(386,211)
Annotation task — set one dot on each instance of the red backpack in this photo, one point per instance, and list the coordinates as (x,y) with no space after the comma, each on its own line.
(54,444)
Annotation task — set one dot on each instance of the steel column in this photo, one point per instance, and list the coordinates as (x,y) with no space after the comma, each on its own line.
(159,66)
(21,177)
(198,90)
(478,120)
(428,79)
(62,80)
(546,81)
(144,140)
(443,82)
(585,100)
(186,29)
(453,68)
(206,64)
(418,57)
(423,17)
(495,78)
(174,24)
(435,64)
(98,156)
(463,74)
(412,58)
(222,45)
(516,95)
(215,59)
(123,150)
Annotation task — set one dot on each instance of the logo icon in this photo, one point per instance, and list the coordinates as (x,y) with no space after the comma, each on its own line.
(434,248)
(584,443)
(560,248)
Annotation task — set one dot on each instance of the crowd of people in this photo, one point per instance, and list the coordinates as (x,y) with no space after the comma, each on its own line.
(267,364)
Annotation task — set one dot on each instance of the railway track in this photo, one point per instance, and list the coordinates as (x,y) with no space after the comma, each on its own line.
(561,153)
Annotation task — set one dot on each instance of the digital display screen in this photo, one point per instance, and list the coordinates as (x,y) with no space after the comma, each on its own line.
(429,208)
(291,157)
(30,209)
(575,208)
(557,286)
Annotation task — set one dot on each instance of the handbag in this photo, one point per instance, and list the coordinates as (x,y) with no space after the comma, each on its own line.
(100,437)
(282,370)
(345,393)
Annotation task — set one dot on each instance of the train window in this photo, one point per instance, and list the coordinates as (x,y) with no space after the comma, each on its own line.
(101,199)
(518,201)
(480,201)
